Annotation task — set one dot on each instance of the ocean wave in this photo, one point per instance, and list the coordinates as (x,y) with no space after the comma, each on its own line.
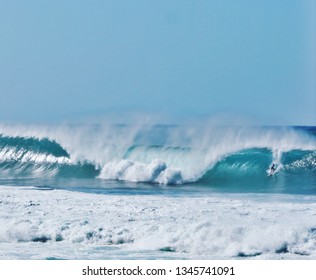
(176,156)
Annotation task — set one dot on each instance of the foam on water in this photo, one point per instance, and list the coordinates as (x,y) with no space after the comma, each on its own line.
(157,154)
(53,223)
(190,221)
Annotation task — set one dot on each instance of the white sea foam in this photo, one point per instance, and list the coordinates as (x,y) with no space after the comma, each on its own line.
(105,146)
(22,155)
(63,224)
(127,170)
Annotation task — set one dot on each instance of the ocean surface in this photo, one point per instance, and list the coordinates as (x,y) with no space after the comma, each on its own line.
(157,192)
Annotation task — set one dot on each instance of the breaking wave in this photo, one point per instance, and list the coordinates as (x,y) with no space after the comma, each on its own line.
(156,154)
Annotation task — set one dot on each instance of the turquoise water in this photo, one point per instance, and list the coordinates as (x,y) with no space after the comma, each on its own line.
(167,159)
(130,192)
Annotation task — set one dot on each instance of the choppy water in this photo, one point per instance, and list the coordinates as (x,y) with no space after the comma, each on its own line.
(103,191)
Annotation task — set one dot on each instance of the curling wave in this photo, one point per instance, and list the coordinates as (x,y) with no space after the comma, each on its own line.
(164,155)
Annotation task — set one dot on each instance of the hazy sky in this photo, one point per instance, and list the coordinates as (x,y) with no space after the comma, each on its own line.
(64,60)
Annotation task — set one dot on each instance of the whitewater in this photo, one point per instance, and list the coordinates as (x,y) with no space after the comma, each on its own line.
(103,191)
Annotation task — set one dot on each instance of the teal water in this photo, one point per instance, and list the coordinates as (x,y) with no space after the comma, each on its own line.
(160,159)
(157,192)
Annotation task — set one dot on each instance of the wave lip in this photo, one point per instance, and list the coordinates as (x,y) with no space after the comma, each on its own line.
(175,155)
(32,157)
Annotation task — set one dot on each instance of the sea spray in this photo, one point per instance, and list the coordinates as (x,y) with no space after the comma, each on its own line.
(153,154)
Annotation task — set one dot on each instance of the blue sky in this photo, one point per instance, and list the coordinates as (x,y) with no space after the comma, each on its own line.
(64,60)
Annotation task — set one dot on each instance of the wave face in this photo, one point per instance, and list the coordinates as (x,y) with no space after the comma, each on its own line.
(30,156)
(206,155)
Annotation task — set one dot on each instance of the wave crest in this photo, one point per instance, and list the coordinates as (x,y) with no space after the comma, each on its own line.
(159,154)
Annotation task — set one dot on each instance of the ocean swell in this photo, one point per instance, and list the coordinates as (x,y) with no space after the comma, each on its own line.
(163,155)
